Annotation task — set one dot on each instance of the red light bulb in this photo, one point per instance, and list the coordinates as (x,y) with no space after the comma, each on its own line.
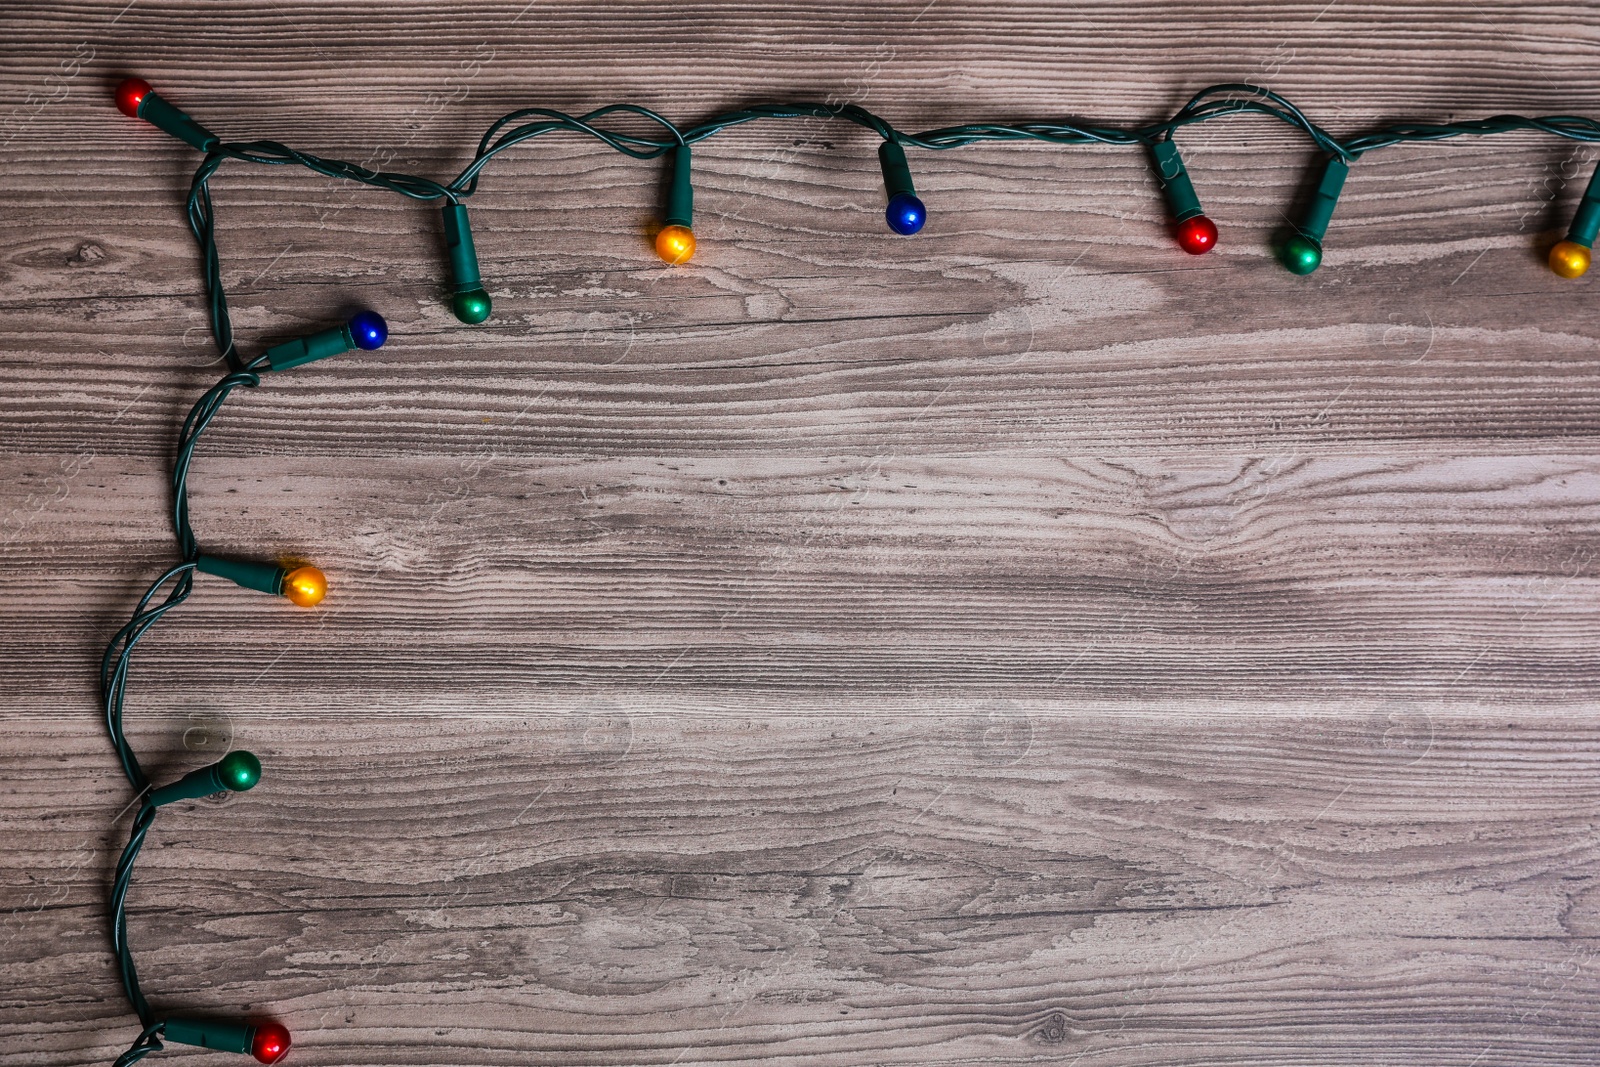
(270,1042)
(1197,235)
(130,94)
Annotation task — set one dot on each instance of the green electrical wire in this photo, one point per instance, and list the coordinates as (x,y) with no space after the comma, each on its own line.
(510,131)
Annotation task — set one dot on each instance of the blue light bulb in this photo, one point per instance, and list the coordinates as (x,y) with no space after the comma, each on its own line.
(905,214)
(369,330)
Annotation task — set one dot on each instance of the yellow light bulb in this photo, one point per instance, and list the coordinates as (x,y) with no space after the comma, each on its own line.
(1569,259)
(305,586)
(675,244)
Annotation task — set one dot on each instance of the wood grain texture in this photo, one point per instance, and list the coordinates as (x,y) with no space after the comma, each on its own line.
(617,887)
(1020,643)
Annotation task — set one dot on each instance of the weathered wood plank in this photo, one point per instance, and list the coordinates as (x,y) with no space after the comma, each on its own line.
(1045,309)
(1239,581)
(1004,886)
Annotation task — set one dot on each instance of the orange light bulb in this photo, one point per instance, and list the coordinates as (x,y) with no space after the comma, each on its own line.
(675,244)
(1569,259)
(305,586)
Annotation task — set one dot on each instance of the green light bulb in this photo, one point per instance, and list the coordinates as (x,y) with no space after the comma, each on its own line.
(235,772)
(472,307)
(238,771)
(1301,254)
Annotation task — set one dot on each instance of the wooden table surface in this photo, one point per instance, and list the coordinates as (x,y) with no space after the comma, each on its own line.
(1018,643)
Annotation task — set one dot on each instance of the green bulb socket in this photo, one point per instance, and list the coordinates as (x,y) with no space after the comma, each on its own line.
(163,116)
(233,773)
(1302,253)
(1182,200)
(896,172)
(262,577)
(469,301)
(330,342)
(680,193)
(220,1034)
(1586,222)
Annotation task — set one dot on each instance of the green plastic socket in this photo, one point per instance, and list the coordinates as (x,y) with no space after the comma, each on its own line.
(236,772)
(221,1034)
(469,300)
(896,171)
(1302,253)
(1586,221)
(680,193)
(331,342)
(1182,200)
(262,577)
(162,115)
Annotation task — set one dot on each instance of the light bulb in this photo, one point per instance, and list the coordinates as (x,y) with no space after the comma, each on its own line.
(1569,259)
(1197,235)
(675,244)
(305,586)
(905,214)
(368,330)
(137,100)
(1301,254)
(238,771)
(270,1042)
(130,94)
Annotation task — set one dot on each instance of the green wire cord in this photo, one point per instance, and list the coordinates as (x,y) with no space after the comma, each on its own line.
(1217,101)
(178,582)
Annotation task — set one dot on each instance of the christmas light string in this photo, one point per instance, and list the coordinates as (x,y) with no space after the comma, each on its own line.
(905,214)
